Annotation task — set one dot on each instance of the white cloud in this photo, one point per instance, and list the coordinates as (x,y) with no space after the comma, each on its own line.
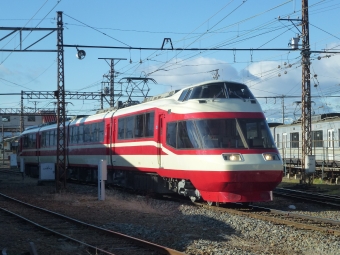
(178,73)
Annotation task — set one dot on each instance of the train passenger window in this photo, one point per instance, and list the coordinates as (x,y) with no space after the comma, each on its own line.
(30,118)
(34,140)
(129,125)
(182,96)
(171,130)
(80,134)
(139,123)
(43,139)
(87,133)
(25,142)
(149,124)
(51,136)
(6,118)
(121,124)
(235,90)
(196,92)
(294,139)
(101,132)
(317,138)
(137,126)
(74,135)
(186,135)
(188,95)
(94,132)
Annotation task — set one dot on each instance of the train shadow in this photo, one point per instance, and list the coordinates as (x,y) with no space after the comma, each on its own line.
(172,224)
(297,205)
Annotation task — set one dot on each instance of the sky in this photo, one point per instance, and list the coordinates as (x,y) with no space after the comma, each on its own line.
(248,42)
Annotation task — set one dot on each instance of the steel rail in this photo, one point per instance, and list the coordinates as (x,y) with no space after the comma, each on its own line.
(146,244)
(309,196)
(275,219)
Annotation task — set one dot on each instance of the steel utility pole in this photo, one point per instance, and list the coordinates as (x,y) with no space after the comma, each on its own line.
(283,109)
(306,92)
(111,77)
(60,95)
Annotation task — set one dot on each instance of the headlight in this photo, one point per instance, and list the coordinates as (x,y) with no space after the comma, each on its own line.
(270,156)
(232,156)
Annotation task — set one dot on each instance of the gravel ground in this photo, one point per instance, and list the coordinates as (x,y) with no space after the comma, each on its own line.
(179,226)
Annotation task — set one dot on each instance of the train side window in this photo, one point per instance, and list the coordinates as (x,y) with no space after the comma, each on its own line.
(188,95)
(29,141)
(317,138)
(55,137)
(30,118)
(87,133)
(42,141)
(139,124)
(294,139)
(71,135)
(46,143)
(80,134)
(121,124)
(187,137)
(25,142)
(47,139)
(34,140)
(101,132)
(51,132)
(75,134)
(171,130)
(196,93)
(149,124)
(129,127)
(94,132)
(182,96)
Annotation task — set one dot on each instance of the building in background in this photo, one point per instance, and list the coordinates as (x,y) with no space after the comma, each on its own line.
(10,123)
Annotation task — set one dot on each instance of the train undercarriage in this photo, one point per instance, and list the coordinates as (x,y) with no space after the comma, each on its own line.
(326,170)
(145,183)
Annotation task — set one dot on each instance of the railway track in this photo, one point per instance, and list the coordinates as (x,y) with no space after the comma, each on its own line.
(280,217)
(309,196)
(8,171)
(94,239)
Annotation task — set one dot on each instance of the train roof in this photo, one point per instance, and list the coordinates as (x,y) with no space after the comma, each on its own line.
(127,107)
(326,117)
(175,94)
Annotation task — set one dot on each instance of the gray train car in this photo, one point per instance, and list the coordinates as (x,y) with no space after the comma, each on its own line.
(325,139)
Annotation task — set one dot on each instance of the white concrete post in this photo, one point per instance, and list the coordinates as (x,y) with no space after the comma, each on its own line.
(102,177)
(22,167)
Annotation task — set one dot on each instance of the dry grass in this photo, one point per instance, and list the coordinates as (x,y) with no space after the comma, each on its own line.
(115,199)
(322,186)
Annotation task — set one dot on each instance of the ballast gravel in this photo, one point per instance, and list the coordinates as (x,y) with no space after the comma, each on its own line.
(184,227)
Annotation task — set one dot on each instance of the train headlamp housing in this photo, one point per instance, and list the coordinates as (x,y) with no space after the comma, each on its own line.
(232,157)
(270,156)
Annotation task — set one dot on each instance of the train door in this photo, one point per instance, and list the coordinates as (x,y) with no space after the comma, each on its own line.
(159,133)
(330,143)
(284,145)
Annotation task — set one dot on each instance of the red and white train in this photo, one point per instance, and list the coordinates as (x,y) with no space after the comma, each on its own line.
(210,141)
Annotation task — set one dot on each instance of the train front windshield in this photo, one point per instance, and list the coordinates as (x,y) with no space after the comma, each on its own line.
(220,133)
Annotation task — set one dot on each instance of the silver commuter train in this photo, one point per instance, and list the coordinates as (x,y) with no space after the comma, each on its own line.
(325,137)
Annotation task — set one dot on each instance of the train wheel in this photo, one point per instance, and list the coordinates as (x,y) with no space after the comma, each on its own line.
(193,199)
